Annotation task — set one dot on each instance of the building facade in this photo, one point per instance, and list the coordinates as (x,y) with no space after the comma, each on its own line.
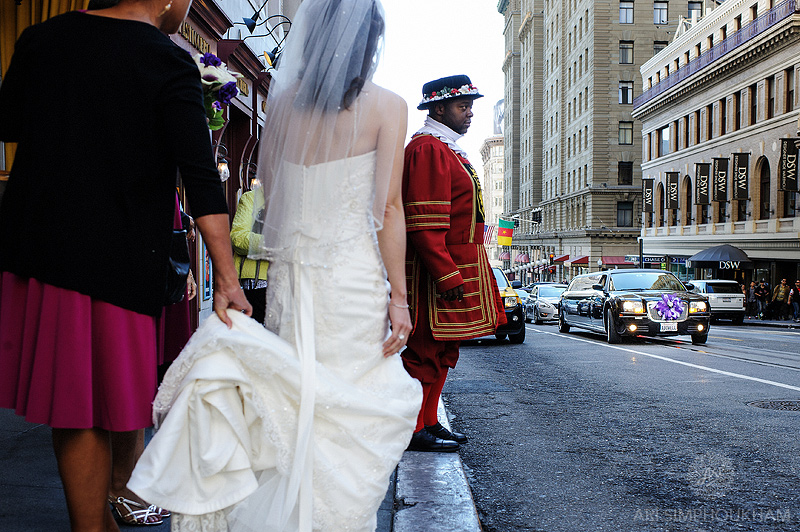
(719,115)
(579,192)
(493,192)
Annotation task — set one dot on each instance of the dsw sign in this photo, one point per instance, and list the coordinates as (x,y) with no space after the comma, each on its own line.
(729,264)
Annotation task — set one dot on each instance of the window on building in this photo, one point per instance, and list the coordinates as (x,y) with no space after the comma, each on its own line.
(737,112)
(710,42)
(660,12)
(709,122)
(663,141)
(686,131)
(723,116)
(789,77)
(753,12)
(626,12)
(658,46)
(625,173)
(626,92)
(703,214)
(626,132)
(698,49)
(737,23)
(625,52)
(770,96)
(753,95)
(625,214)
(723,32)
(695,9)
(697,127)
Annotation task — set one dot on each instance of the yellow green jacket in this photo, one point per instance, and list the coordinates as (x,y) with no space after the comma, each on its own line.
(242,237)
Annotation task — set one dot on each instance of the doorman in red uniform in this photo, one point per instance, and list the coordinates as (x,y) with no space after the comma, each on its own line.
(452,291)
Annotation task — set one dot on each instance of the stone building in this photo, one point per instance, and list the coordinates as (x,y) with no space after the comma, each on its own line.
(493,187)
(719,116)
(573,174)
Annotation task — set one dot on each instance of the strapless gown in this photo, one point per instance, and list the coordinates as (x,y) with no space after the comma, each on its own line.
(296,427)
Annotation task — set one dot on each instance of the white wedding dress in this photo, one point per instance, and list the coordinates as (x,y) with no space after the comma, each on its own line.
(297,429)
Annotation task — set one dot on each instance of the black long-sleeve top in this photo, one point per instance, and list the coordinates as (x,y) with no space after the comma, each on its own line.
(105,112)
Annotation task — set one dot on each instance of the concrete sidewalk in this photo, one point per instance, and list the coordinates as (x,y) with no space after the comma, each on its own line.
(427,493)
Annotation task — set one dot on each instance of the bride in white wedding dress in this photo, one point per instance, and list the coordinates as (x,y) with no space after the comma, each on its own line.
(298,427)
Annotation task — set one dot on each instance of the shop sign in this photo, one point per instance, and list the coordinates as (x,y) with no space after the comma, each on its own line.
(787,169)
(244,88)
(729,264)
(741,164)
(672,190)
(647,194)
(702,172)
(194,38)
(720,179)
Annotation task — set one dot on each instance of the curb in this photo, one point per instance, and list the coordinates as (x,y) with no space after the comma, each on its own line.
(432,493)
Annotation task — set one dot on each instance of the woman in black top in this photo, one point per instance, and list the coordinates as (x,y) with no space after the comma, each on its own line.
(85,224)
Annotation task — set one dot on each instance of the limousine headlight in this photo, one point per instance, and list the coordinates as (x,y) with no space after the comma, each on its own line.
(636,307)
(511,302)
(697,306)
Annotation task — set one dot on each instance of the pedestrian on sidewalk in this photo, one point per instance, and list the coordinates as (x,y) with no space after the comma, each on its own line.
(452,291)
(780,301)
(762,296)
(78,315)
(752,300)
(794,301)
(246,235)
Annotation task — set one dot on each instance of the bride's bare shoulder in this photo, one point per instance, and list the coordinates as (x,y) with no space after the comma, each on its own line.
(387,98)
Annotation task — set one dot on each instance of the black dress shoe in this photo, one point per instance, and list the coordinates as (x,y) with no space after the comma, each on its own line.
(440,432)
(427,442)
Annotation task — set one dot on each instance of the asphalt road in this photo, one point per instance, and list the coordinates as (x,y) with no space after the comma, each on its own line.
(571,434)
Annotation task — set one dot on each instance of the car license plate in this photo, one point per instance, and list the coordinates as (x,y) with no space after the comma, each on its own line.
(669,326)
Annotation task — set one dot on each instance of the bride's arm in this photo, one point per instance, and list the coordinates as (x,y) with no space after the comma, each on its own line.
(392,237)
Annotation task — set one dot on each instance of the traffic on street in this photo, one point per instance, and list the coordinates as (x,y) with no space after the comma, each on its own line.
(568,433)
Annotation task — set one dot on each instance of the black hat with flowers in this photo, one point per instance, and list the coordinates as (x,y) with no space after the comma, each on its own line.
(445,88)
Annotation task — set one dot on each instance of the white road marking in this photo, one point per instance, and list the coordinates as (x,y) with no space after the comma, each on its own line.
(680,362)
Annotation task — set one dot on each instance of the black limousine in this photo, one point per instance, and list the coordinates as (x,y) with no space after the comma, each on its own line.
(626,302)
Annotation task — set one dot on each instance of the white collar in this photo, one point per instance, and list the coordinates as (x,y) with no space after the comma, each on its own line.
(443,133)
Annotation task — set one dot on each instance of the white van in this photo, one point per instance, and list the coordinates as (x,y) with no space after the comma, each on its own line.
(725,297)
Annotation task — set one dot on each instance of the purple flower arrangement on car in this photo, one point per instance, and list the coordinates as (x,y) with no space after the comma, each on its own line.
(219,87)
(670,307)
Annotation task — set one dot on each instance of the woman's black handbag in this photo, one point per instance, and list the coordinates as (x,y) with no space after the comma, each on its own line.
(178,269)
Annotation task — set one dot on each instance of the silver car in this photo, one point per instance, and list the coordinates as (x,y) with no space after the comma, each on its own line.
(725,297)
(542,305)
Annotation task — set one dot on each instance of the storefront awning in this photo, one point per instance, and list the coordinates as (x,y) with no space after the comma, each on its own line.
(504,256)
(522,257)
(616,260)
(724,257)
(562,258)
(579,260)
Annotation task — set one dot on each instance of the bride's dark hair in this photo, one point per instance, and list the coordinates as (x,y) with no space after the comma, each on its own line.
(376,29)
(327,23)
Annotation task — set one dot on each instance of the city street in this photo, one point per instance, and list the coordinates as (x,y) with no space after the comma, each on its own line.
(571,434)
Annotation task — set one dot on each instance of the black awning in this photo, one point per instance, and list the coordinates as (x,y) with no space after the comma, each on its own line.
(725,257)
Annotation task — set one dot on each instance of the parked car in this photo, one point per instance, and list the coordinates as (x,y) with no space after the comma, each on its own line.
(523,295)
(514,329)
(634,302)
(725,297)
(543,303)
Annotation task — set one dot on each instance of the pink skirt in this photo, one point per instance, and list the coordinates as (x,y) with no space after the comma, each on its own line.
(69,361)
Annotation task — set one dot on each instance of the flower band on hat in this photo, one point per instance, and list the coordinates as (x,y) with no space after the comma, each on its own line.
(447,92)
(446,88)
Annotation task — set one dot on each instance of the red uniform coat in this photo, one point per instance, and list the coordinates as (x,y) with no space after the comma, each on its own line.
(444,220)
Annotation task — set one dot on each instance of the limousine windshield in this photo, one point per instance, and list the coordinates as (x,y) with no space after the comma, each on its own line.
(655,280)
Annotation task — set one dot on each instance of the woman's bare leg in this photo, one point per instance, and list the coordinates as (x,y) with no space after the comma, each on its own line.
(84,463)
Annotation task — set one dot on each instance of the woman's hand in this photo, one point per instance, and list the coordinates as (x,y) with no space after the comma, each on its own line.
(401,329)
(191,287)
